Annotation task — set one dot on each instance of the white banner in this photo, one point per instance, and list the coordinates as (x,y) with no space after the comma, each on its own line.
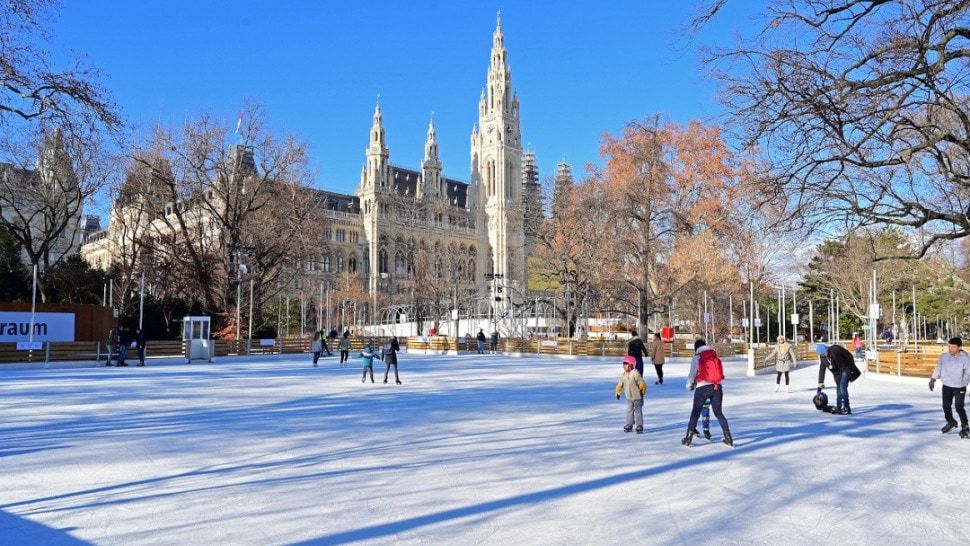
(15,326)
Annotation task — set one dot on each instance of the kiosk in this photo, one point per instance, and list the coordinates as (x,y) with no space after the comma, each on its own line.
(195,334)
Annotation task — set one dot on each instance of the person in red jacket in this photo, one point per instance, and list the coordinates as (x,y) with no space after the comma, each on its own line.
(705,377)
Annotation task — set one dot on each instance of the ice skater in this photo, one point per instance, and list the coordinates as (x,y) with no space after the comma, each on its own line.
(140,343)
(390,358)
(658,355)
(632,384)
(840,362)
(636,349)
(316,347)
(368,355)
(344,347)
(953,370)
(784,357)
(705,377)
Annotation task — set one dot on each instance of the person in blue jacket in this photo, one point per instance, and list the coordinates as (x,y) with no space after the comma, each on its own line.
(368,355)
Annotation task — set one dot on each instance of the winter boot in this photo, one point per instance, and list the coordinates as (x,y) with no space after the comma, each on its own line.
(639,430)
(627,428)
(777,388)
(728,440)
(950,425)
(688,439)
(399,382)
(965,432)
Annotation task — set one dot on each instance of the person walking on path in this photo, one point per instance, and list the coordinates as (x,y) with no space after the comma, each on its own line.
(140,343)
(494,341)
(316,347)
(390,358)
(953,370)
(632,384)
(705,377)
(481,341)
(658,355)
(838,360)
(784,357)
(368,355)
(344,347)
(636,349)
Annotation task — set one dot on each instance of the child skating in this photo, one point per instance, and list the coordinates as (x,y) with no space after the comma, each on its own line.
(631,383)
(368,355)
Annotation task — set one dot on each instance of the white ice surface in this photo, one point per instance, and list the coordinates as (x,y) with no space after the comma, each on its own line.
(470,450)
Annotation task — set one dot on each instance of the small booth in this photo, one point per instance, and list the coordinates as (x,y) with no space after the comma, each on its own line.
(195,334)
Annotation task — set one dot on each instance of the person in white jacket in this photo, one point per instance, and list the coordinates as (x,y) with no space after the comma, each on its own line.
(953,370)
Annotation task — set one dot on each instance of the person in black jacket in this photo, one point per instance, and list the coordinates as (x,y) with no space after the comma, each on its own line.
(481,341)
(636,349)
(390,358)
(140,344)
(124,341)
(841,363)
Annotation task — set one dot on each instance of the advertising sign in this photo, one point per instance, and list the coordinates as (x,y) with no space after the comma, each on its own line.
(15,326)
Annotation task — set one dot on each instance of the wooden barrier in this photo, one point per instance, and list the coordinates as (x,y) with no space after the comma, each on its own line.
(905,364)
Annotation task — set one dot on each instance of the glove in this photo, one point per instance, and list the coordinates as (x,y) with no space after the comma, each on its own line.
(818,390)
(932,383)
(618,396)
(691,385)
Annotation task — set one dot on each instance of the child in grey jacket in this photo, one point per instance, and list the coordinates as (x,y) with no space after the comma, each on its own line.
(953,369)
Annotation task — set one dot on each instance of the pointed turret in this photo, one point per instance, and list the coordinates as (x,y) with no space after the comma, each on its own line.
(377,153)
(430,184)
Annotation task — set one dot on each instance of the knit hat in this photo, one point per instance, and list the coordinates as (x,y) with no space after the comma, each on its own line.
(629,360)
(699,343)
(821,349)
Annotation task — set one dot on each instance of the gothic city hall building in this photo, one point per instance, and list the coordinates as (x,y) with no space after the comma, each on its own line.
(404,229)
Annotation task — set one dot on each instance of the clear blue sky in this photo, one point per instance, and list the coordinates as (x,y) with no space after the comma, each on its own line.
(580,69)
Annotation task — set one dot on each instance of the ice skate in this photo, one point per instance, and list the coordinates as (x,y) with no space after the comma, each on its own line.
(965,432)
(788,389)
(707,433)
(728,440)
(688,439)
(950,425)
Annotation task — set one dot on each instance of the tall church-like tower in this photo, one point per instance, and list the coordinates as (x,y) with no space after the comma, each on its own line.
(496,177)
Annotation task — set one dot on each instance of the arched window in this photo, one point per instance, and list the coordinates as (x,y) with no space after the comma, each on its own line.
(382,261)
(399,264)
(471,270)
(367,264)
(340,264)
(352,264)
(326,264)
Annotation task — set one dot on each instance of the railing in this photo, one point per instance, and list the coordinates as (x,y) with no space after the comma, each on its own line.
(908,364)
(96,351)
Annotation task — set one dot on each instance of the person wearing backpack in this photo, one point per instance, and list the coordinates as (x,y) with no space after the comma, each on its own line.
(838,360)
(705,377)
(636,349)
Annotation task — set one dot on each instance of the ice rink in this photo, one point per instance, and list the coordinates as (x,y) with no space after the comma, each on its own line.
(469,450)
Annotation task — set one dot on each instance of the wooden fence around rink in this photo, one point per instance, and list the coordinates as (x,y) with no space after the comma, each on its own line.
(96,351)
(907,363)
(555,347)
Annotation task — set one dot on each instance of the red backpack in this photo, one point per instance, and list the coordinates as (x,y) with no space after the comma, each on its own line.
(710,369)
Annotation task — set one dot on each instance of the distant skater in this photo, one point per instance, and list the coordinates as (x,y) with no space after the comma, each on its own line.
(658,355)
(140,343)
(784,357)
(838,360)
(344,347)
(631,383)
(390,358)
(636,349)
(316,347)
(368,355)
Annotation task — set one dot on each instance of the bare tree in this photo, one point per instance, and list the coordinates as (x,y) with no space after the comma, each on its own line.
(861,108)
(218,205)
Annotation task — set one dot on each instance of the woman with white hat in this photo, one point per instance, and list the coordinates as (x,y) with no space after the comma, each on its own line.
(784,356)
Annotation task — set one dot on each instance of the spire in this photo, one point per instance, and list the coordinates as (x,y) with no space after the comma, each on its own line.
(377,129)
(431,145)
(497,38)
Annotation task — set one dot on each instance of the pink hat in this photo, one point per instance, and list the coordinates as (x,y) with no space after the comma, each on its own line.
(629,360)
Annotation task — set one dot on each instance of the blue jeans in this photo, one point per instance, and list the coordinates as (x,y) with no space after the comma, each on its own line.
(481,347)
(122,353)
(842,392)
